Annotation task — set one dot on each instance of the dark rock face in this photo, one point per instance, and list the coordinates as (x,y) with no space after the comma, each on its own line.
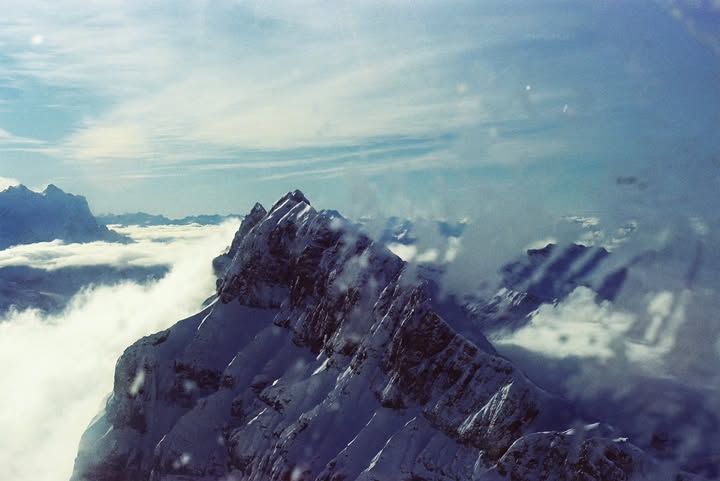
(27,217)
(322,360)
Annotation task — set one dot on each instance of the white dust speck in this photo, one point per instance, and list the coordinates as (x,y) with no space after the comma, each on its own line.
(182,461)
(296,474)
(137,383)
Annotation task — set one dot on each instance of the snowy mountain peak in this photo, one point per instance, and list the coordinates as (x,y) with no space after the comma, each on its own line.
(274,252)
(296,196)
(323,359)
(255,215)
(257,209)
(221,263)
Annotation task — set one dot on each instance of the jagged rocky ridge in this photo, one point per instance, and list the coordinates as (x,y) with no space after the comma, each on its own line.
(322,359)
(27,217)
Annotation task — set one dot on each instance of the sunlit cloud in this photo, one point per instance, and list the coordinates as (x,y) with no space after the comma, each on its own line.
(149,248)
(583,327)
(540,243)
(313,92)
(6,182)
(578,326)
(289,81)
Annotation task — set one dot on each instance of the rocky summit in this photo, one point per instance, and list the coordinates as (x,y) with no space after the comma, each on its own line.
(323,358)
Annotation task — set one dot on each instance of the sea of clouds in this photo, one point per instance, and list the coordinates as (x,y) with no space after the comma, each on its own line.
(58,369)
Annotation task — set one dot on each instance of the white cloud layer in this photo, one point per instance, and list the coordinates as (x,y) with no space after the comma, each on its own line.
(582,327)
(62,365)
(577,326)
(149,248)
(6,182)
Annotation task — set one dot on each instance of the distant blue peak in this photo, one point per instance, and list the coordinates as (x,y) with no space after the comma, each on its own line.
(19,187)
(53,189)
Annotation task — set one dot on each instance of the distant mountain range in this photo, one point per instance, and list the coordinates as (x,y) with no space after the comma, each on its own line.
(397,230)
(27,217)
(145,219)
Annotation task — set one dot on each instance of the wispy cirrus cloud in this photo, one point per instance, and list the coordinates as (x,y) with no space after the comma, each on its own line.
(149,249)
(210,82)
(281,84)
(9,140)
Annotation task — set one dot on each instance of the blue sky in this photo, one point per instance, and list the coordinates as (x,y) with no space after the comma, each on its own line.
(405,107)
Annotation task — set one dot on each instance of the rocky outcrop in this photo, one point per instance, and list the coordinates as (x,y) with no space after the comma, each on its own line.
(323,359)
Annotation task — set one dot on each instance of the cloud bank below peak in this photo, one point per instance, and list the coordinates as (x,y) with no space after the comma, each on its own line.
(64,361)
(150,248)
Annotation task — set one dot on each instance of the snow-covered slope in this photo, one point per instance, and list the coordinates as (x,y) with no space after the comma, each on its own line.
(27,217)
(322,359)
